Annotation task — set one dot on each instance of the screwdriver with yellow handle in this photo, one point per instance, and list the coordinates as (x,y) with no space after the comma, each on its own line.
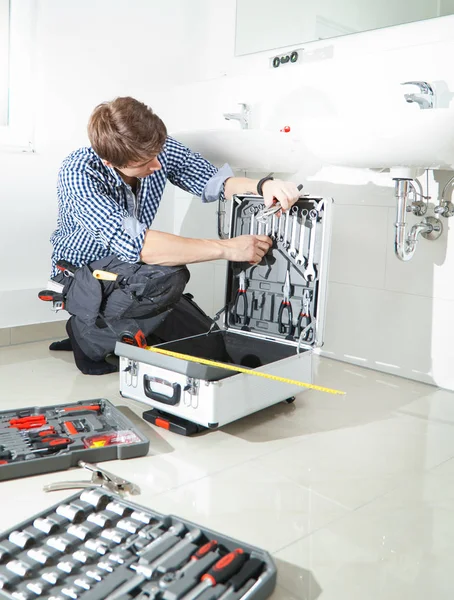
(105,275)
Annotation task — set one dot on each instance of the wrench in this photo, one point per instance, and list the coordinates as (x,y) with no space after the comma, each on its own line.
(280,235)
(300,256)
(309,273)
(273,228)
(286,231)
(252,228)
(294,216)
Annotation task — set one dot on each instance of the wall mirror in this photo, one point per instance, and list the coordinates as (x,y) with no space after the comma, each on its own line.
(267,24)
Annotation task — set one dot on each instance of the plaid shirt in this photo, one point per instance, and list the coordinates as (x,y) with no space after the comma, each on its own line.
(99,215)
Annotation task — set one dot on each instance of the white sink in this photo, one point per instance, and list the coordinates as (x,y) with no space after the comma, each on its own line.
(254,150)
(406,137)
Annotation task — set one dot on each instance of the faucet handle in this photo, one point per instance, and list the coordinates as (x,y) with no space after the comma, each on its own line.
(425,87)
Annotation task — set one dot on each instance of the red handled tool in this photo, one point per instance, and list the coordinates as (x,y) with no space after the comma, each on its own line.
(70,429)
(221,572)
(43,433)
(49,445)
(240,308)
(286,324)
(33,422)
(68,409)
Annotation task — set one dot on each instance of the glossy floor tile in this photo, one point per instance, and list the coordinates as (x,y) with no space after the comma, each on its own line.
(353,495)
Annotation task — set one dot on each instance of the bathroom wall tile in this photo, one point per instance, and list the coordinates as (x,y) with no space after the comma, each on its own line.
(442,343)
(220,281)
(358,245)
(5,336)
(201,285)
(38,332)
(426,273)
(381,330)
(22,307)
(359,187)
(193,218)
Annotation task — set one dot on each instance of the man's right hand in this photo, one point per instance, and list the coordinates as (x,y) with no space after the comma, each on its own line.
(247,248)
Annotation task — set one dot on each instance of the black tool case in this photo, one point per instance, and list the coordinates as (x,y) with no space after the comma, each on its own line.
(186,396)
(31,438)
(87,547)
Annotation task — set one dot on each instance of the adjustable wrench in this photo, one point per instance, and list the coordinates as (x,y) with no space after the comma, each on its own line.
(309,273)
(294,216)
(300,256)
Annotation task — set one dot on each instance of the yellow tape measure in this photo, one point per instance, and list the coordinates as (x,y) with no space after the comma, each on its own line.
(212,363)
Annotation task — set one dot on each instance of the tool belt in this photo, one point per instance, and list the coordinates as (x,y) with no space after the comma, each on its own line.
(127,307)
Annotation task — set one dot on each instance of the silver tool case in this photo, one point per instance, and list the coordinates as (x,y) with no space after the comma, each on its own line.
(92,545)
(185,396)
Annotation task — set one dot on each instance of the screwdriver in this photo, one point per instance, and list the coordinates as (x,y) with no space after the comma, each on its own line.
(28,422)
(51,445)
(222,571)
(168,578)
(250,571)
(40,434)
(67,409)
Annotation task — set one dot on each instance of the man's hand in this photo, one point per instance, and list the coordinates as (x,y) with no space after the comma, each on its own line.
(285,192)
(247,248)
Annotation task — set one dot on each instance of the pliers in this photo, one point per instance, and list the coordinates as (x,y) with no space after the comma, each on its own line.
(100,478)
(286,307)
(240,308)
(304,318)
(304,328)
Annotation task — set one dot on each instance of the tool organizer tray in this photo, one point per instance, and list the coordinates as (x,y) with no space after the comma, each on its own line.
(43,439)
(96,545)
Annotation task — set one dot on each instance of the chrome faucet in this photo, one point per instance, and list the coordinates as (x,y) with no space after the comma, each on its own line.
(425,98)
(242,117)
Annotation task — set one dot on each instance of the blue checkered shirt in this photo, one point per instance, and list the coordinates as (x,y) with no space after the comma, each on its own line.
(99,215)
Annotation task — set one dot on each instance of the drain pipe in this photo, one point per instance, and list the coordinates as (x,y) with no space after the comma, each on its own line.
(430,227)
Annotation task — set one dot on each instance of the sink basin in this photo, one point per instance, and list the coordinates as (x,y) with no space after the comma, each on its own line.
(246,149)
(407,137)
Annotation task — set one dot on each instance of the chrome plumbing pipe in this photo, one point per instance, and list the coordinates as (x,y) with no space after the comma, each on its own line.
(405,245)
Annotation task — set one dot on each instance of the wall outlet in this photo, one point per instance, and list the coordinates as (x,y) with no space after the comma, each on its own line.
(286,58)
(300,55)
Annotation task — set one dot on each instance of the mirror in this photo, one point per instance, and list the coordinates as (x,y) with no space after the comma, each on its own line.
(267,24)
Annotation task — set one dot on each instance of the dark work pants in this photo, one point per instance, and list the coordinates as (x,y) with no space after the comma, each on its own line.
(102,311)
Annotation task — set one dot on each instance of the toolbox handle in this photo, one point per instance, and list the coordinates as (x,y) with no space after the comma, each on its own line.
(171,400)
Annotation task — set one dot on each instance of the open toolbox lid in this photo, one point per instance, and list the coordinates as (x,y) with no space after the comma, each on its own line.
(254,303)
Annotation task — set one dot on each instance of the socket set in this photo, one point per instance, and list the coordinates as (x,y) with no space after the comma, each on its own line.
(52,438)
(279,296)
(98,546)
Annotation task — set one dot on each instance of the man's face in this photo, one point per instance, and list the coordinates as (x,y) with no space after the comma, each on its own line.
(139,169)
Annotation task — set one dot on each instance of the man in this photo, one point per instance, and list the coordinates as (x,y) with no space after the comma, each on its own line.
(108,197)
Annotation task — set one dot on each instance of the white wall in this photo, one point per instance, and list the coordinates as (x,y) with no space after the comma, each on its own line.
(179,58)
(86,52)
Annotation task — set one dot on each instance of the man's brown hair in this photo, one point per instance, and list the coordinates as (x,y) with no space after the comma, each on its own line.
(125,130)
